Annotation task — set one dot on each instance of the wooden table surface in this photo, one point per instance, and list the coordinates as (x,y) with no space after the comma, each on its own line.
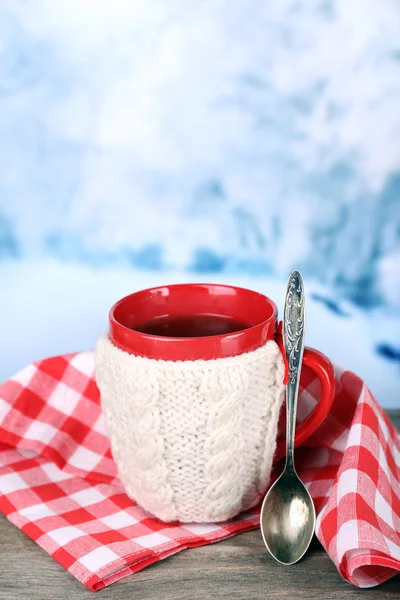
(238,568)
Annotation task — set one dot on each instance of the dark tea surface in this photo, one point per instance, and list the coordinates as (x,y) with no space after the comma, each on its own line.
(191,326)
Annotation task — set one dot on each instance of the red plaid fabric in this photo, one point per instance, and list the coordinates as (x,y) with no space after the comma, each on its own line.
(58,481)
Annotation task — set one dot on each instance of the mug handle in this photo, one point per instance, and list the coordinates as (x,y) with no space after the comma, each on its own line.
(323,368)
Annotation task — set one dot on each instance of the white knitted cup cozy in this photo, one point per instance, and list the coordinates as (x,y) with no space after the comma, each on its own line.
(193,440)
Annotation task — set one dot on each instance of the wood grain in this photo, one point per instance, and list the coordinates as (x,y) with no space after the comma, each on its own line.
(237,568)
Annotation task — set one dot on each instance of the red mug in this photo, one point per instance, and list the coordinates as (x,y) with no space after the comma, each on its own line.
(256,311)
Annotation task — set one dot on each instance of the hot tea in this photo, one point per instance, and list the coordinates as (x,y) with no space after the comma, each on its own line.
(191,326)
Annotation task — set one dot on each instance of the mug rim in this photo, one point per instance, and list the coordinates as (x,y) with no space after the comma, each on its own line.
(193,348)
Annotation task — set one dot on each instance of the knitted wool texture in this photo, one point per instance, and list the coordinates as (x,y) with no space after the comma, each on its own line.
(193,441)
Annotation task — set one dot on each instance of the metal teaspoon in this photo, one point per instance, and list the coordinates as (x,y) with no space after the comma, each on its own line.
(288,515)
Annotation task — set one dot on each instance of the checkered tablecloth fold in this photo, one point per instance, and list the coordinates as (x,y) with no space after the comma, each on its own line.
(59,483)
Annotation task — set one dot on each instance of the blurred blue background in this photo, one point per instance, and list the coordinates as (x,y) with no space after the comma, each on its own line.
(149,142)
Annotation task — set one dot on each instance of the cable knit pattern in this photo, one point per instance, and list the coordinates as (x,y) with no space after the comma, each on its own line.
(194,440)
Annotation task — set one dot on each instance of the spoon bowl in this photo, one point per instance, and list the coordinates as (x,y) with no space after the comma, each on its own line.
(287,519)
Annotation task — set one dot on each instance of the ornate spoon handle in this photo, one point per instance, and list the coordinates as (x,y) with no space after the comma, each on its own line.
(293,340)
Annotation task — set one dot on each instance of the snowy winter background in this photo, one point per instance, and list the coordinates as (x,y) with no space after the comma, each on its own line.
(148,142)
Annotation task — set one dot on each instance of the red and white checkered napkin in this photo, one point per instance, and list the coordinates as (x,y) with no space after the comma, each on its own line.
(58,481)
